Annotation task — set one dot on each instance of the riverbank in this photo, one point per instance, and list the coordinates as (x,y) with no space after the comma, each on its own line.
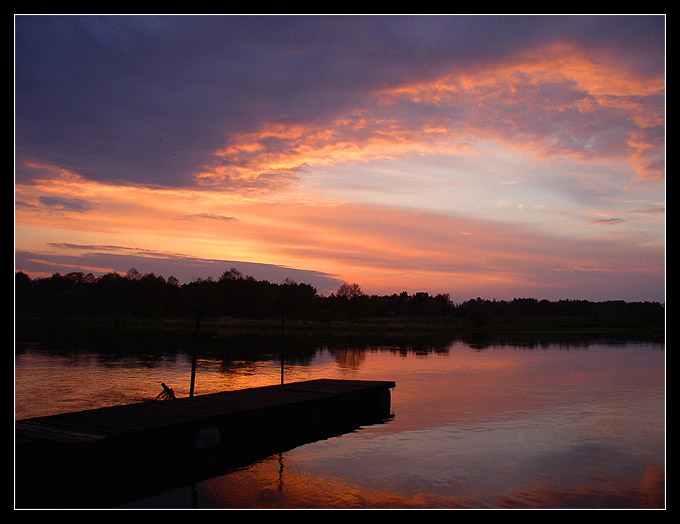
(516,327)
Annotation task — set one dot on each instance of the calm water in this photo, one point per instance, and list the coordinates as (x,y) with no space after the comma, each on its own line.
(551,425)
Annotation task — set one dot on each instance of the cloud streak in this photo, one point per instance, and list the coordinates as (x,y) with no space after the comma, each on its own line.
(391,248)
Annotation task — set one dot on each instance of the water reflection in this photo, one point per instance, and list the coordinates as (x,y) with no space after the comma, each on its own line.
(271,483)
(488,423)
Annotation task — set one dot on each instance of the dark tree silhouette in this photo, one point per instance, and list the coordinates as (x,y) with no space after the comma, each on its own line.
(234,295)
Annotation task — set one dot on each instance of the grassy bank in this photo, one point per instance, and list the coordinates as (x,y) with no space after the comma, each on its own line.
(459,327)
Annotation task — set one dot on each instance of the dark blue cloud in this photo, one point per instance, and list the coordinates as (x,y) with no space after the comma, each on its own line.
(186,269)
(146,99)
(78,205)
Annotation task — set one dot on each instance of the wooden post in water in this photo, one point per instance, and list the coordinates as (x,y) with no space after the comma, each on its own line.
(282,350)
(194,352)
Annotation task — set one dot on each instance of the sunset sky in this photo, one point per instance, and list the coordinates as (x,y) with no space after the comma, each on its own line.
(490,156)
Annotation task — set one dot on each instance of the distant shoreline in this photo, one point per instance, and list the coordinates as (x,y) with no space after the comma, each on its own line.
(521,326)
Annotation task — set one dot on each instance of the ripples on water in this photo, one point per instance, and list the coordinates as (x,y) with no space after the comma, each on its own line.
(552,426)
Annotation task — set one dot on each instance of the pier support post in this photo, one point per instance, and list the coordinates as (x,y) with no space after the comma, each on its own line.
(193,355)
(283,358)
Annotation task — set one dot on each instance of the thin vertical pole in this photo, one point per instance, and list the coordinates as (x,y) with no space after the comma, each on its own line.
(195,350)
(283,354)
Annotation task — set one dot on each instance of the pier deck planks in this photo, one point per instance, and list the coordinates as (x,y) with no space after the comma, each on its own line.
(101,457)
(126,420)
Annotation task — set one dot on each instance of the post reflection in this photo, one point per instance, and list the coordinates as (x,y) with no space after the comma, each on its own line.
(506,427)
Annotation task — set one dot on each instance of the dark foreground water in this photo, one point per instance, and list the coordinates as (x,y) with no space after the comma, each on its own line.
(531,425)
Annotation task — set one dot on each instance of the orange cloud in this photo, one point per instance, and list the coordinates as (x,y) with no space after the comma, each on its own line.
(279,152)
(556,101)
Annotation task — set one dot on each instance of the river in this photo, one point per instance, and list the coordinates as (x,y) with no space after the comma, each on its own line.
(538,424)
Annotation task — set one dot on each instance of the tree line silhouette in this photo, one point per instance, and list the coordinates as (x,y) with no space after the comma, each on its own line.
(237,296)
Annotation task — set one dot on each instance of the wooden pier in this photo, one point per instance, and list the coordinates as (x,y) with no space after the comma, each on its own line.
(98,457)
